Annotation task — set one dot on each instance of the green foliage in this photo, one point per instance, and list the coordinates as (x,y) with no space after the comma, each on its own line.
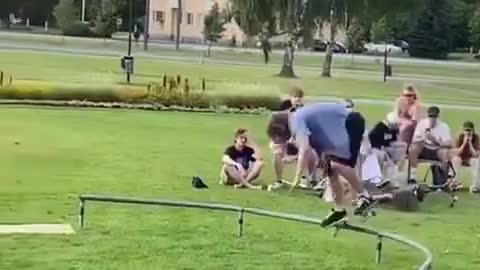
(380,32)
(214,23)
(432,35)
(78,29)
(475,29)
(66,14)
(249,102)
(106,18)
(355,36)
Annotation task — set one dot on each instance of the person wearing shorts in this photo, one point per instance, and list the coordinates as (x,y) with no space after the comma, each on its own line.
(241,164)
(318,126)
(431,141)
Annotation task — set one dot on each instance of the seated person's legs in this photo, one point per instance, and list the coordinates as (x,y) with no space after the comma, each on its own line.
(254,171)
(407,129)
(415,150)
(475,167)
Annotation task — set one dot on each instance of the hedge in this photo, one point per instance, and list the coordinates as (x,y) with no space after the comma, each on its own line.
(136,95)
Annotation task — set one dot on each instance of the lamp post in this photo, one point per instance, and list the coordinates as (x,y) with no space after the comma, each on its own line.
(129,58)
(83,10)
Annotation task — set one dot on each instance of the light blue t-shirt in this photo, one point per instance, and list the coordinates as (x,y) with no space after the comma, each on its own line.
(324,123)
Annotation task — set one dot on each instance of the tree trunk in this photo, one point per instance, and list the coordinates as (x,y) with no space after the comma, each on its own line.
(288,57)
(327,64)
(209,48)
(146,33)
(179,23)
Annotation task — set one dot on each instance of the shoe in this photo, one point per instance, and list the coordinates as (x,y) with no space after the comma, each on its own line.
(321,186)
(362,204)
(412,181)
(333,217)
(305,183)
(276,185)
(383,184)
(474,190)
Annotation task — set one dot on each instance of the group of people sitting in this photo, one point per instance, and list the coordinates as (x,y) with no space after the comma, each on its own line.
(313,137)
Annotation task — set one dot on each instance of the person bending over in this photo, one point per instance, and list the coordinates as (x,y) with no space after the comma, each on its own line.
(241,162)
(334,133)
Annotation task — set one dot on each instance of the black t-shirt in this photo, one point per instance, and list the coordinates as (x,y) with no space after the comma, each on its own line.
(287,105)
(244,157)
(382,136)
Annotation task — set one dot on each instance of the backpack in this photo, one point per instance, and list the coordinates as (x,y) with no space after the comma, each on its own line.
(439,175)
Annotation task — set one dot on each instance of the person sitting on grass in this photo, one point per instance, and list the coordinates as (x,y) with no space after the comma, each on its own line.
(467,152)
(242,162)
(431,141)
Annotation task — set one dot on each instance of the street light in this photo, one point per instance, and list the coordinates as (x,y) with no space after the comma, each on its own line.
(83,10)
(127,61)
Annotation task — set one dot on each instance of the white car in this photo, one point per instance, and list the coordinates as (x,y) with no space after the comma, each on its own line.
(380,48)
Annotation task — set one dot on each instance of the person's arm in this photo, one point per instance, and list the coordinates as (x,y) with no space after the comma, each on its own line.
(445,139)
(303,146)
(227,160)
(473,145)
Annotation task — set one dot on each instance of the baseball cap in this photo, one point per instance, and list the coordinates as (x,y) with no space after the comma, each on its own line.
(349,103)
(433,111)
(468,125)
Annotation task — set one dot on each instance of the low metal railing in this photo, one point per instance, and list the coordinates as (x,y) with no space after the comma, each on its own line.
(427,264)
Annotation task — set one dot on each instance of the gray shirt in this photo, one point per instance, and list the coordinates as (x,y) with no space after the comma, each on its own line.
(324,124)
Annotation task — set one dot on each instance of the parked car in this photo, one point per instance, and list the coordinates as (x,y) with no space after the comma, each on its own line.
(379,48)
(321,46)
(402,44)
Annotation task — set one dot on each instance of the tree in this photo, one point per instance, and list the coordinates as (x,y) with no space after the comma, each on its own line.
(356,35)
(247,14)
(213,26)
(106,18)
(179,24)
(292,14)
(432,35)
(66,14)
(475,29)
(380,31)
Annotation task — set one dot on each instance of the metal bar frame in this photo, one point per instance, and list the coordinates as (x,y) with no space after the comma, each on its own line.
(426,265)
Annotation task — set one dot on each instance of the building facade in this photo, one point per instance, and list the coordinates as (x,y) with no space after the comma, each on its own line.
(163,20)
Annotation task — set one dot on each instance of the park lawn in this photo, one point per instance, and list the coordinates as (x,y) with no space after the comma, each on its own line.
(311,60)
(63,70)
(67,152)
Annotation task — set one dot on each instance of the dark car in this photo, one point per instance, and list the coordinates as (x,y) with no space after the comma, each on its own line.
(321,46)
(402,44)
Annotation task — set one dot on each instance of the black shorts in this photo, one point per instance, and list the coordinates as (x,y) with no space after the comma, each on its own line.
(428,154)
(355,125)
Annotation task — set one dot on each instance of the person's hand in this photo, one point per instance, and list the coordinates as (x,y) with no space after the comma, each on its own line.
(242,171)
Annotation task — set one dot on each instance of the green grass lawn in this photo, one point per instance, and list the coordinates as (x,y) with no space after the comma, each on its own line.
(62,70)
(67,152)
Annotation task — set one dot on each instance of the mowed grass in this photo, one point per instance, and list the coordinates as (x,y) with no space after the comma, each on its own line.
(67,152)
(102,72)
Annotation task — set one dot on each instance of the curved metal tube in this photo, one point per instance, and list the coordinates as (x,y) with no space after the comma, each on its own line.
(427,264)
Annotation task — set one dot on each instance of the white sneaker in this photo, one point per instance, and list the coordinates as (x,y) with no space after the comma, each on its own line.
(305,183)
(322,185)
(274,186)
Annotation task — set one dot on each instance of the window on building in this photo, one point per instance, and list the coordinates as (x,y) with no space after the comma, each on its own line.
(158,16)
(189,18)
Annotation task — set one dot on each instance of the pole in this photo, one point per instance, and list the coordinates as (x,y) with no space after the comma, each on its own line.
(179,23)
(385,63)
(83,10)
(146,30)
(130,29)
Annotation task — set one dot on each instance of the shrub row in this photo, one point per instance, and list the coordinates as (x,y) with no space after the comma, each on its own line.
(120,105)
(138,95)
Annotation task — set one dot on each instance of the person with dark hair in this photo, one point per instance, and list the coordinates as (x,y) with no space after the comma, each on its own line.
(467,152)
(284,153)
(431,141)
(319,127)
(242,164)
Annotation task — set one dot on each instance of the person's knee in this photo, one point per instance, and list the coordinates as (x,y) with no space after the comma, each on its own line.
(443,155)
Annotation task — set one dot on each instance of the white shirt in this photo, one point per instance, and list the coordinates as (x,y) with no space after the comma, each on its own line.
(441,132)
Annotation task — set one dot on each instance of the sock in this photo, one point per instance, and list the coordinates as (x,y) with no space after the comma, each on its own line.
(413,173)
(339,209)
